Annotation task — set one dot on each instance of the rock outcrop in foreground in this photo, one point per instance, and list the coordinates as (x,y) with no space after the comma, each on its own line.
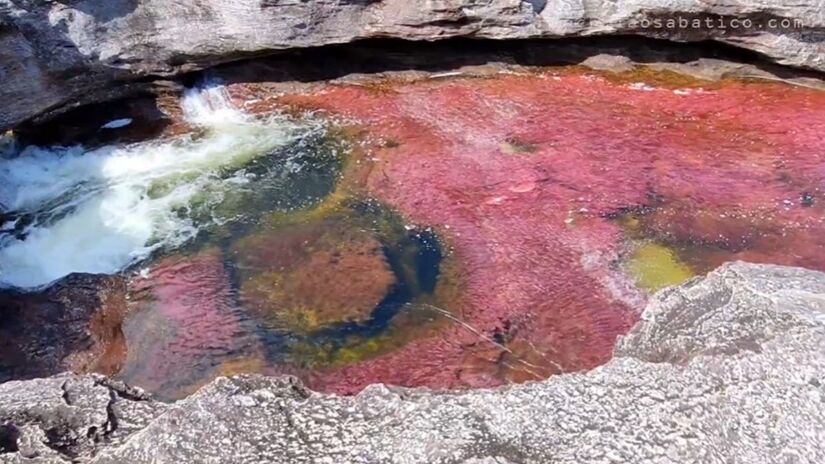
(727,369)
(59,53)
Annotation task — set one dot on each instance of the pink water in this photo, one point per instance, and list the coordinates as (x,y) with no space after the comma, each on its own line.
(524,178)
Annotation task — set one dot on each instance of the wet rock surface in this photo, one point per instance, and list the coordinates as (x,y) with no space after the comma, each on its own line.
(73,325)
(727,368)
(58,54)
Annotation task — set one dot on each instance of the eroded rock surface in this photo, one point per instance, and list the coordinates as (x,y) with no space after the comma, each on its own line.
(54,53)
(724,369)
(68,416)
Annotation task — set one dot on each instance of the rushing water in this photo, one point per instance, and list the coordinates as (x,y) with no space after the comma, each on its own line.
(98,211)
(453,233)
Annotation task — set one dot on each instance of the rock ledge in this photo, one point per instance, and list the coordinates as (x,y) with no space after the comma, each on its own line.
(727,368)
(55,54)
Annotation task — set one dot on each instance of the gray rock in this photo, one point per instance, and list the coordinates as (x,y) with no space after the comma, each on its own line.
(54,53)
(724,369)
(68,416)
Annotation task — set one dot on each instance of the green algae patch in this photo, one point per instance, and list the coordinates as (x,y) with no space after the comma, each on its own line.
(416,321)
(655,266)
(352,350)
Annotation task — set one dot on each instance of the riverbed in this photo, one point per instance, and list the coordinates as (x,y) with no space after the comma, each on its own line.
(449,231)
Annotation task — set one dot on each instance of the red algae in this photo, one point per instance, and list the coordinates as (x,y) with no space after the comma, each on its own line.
(542,188)
(526,176)
(183,323)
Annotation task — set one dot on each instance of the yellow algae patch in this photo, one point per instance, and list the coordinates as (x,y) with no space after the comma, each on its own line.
(662,78)
(655,266)
(363,348)
(330,205)
(244,365)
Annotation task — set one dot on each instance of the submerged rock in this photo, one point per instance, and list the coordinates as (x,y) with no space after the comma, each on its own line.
(725,369)
(73,325)
(183,324)
(342,276)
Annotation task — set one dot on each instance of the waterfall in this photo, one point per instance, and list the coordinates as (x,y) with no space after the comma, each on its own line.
(209,105)
(70,209)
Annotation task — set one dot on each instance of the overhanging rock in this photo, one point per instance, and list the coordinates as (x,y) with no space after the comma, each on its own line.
(55,54)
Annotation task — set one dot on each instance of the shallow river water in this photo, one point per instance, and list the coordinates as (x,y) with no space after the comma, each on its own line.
(459,232)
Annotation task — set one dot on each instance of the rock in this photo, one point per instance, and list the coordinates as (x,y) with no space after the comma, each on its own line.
(73,325)
(724,369)
(54,54)
(677,327)
(66,416)
(342,276)
(606,62)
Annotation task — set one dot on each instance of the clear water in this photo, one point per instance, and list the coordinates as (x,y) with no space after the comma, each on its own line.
(523,220)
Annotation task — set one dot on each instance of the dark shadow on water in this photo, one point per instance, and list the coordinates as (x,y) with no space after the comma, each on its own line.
(374,56)
(85,124)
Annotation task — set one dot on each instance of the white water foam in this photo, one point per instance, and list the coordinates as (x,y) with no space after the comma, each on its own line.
(8,145)
(99,211)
